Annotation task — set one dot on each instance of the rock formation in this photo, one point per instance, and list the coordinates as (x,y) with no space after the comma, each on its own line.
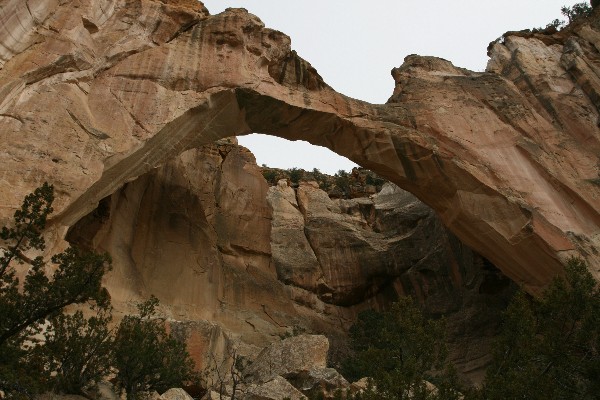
(237,264)
(291,368)
(508,158)
(119,104)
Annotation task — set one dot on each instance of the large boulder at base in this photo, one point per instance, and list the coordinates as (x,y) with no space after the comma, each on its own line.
(275,389)
(175,394)
(288,358)
(320,381)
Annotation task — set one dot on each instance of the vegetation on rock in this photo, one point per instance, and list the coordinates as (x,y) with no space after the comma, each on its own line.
(44,348)
(401,351)
(573,13)
(77,352)
(26,306)
(342,184)
(549,348)
(146,356)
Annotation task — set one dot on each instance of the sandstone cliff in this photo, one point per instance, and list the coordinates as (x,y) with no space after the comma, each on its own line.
(508,158)
(235,262)
(113,101)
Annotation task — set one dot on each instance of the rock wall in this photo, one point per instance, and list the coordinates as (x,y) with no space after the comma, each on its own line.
(112,101)
(237,263)
(96,94)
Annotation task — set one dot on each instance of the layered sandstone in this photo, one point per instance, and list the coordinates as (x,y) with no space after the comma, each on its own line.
(237,264)
(95,94)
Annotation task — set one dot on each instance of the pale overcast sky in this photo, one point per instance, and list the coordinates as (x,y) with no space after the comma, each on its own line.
(354,45)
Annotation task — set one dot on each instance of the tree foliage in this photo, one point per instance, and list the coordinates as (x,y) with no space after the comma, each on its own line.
(573,13)
(75,351)
(146,356)
(576,11)
(401,350)
(25,306)
(342,182)
(549,347)
(295,175)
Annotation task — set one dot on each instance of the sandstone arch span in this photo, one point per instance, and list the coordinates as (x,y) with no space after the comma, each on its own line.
(94,94)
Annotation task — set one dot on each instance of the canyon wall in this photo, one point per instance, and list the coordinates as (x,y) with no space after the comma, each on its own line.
(95,94)
(235,262)
(117,102)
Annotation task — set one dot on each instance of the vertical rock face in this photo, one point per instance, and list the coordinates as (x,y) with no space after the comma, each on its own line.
(508,158)
(349,249)
(110,100)
(195,233)
(236,263)
(366,252)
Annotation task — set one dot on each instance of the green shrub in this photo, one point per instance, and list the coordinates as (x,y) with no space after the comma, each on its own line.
(576,11)
(25,307)
(147,357)
(270,176)
(398,349)
(342,181)
(549,347)
(77,351)
(295,175)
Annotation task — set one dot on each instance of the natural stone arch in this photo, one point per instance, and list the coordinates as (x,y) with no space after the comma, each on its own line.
(476,147)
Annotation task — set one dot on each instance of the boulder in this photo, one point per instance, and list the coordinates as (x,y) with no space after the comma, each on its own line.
(320,381)
(175,394)
(275,389)
(289,358)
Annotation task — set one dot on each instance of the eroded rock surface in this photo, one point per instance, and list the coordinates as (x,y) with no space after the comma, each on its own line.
(289,358)
(508,158)
(233,264)
(274,389)
(112,101)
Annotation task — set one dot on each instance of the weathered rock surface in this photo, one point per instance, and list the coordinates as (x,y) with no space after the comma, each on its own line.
(300,362)
(366,252)
(508,158)
(112,101)
(275,389)
(232,269)
(348,250)
(321,381)
(196,233)
(290,357)
(175,394)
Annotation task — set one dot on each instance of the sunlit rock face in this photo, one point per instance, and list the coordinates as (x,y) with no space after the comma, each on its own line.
(94,94)
(111,100)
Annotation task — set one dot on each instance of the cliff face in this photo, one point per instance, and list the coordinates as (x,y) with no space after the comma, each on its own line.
(113,101)
(233,260)
(507,158)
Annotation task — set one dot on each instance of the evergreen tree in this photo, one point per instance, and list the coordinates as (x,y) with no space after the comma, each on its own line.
(577,11)
(147,357)
(401,350)
(26,306)
(77,352)
(549,347)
